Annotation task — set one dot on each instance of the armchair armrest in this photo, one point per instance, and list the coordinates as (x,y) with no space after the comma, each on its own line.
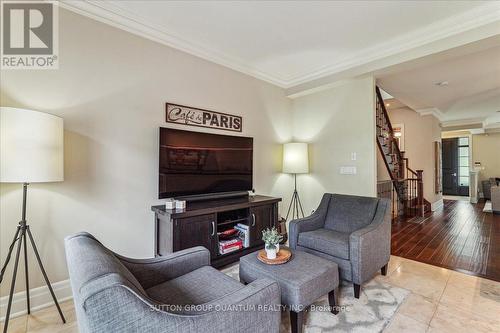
(370,247)
(150,272)
(312,222)
(254,308)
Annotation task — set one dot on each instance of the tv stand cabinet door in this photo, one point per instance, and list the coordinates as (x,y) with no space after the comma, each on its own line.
(261,217)
(193,231)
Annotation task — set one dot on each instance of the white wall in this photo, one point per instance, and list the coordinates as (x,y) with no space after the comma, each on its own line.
(337,122)
(111,90)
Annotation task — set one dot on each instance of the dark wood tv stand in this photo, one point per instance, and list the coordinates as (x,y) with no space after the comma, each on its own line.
(198,224)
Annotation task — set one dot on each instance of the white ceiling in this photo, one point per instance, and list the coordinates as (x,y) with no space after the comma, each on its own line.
(471,96)
(290,43)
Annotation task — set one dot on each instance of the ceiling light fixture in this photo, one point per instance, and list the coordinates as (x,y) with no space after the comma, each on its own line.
(442,84)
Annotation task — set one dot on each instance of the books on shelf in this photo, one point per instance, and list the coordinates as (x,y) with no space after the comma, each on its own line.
(244,233)
(234,239)
(230,245)
(230,242)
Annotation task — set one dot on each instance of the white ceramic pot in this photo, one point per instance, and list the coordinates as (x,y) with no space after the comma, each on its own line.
(271,253)
(278,248)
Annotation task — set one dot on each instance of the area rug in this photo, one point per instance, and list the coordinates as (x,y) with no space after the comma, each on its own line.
(487,207)
(372,312)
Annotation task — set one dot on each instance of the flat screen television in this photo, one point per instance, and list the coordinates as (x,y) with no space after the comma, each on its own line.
(193,163)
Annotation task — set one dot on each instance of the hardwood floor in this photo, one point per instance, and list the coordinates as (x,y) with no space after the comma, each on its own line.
(458,236)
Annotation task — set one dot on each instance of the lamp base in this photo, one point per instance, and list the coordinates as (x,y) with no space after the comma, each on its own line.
(295,204)
(23,230)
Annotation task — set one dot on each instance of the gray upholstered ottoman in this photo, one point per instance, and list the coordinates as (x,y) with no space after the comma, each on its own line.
(302,280)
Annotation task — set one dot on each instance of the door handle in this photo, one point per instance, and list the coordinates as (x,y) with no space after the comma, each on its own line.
(253,220)
(454,174)
(213,228)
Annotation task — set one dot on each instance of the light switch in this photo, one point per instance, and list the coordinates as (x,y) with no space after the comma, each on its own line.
(354,156)
(348,170)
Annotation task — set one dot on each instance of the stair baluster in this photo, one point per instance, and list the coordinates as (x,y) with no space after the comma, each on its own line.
(406,183)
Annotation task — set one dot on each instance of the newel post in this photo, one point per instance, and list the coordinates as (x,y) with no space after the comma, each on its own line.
(420,192)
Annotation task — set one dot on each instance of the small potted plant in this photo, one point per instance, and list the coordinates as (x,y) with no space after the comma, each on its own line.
(272,239)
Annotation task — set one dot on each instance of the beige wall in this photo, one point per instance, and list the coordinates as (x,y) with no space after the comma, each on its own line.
(486,149)
(337,122)
(111,90)
(420,134)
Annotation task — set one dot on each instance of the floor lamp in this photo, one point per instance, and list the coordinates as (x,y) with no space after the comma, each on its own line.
(295,161)
(31,151)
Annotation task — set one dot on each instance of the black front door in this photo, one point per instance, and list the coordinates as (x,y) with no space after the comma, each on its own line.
(450,166)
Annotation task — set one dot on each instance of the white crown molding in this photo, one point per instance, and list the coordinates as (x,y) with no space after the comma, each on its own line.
(431,111)
(319,88)
(492,121)
(118,17)
(475,18)
(476,131)
(115,16)
(462,122)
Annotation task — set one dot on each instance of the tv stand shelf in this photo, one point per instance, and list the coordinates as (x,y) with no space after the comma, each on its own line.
(197,225)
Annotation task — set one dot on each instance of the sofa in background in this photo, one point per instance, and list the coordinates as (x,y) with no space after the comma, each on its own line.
(353,231)
(117,294)
(487,184)
(495,199)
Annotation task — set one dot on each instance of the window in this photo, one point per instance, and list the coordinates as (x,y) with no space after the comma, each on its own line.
(463,161)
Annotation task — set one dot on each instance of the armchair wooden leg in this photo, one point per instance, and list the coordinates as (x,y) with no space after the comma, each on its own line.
(296,321)
(333,300)
(383,270)
(357,289)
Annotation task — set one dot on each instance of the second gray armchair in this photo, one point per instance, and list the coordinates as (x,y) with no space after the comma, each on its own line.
(352,231)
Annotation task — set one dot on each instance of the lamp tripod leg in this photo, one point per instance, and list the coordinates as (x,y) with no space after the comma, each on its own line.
(14,275)
(4,267)
(300,205)
(295,208)
(25,241)
(45,274)
(289,207)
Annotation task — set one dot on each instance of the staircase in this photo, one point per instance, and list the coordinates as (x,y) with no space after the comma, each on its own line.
(406,187)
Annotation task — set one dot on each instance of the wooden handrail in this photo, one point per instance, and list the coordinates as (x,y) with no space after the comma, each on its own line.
(407,183)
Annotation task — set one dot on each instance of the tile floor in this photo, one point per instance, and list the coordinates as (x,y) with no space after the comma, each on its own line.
(440,301)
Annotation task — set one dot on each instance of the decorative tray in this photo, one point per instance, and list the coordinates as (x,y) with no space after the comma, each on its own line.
(282,257)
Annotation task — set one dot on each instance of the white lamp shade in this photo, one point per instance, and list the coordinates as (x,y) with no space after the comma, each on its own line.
(31,146)
(295,158)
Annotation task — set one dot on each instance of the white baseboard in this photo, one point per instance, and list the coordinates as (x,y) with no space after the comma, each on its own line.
(437,204)
(39,297)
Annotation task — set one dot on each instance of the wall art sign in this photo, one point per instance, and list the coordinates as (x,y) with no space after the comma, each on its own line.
(186,115)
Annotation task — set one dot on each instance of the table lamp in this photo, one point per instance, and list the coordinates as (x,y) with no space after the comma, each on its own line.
(295,160)
(31,151)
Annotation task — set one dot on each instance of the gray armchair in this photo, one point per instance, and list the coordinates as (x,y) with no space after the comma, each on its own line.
(487,185)
(495,199)
(180,292)
(352,231)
